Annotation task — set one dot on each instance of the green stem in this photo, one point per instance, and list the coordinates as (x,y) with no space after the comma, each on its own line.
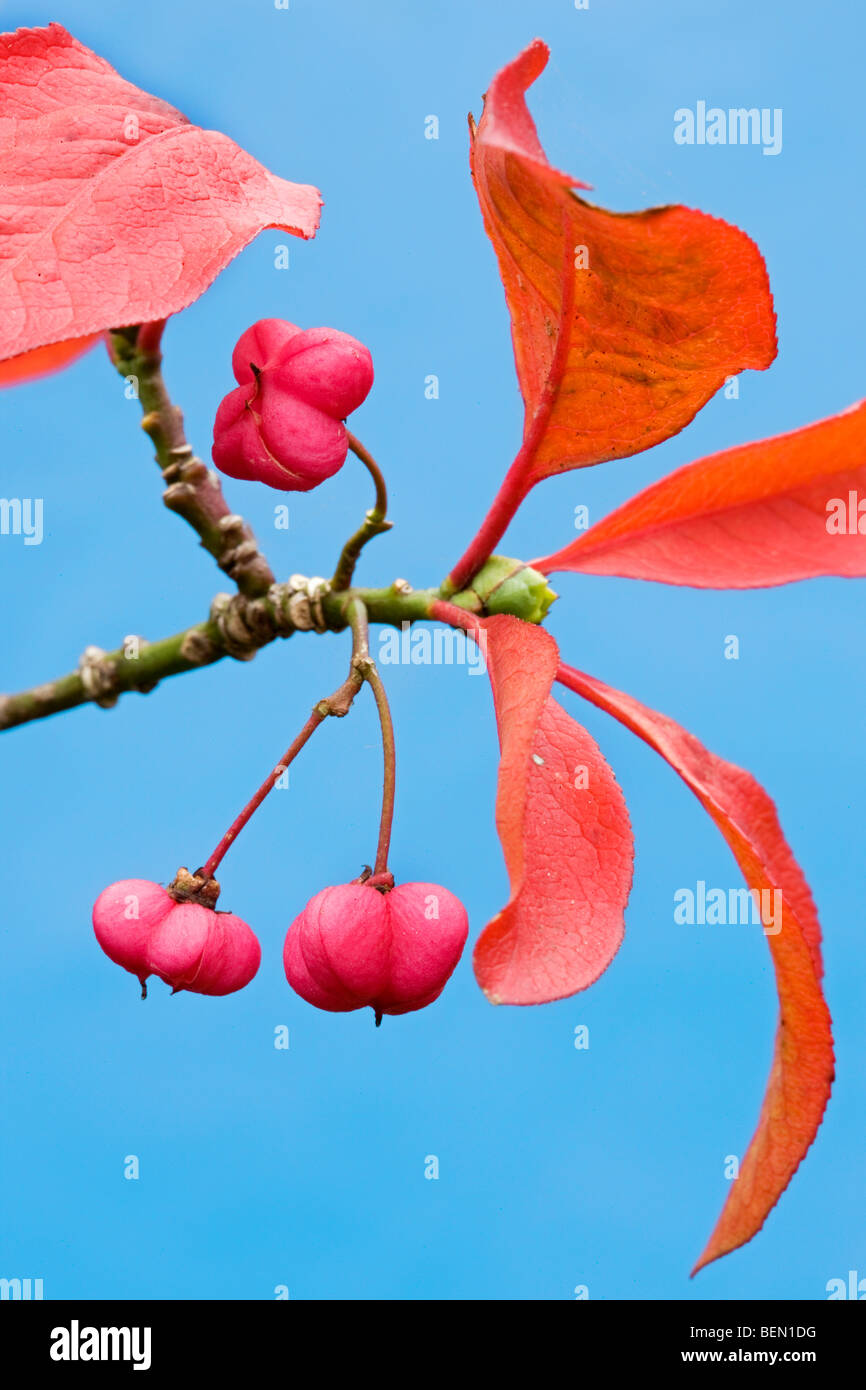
(249,625)
(196,646)
(374,520)
(381,504)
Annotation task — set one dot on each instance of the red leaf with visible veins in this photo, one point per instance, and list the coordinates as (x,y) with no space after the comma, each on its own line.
(802,1071)
(760,514)
(568,847)
(115,209)
(622,354)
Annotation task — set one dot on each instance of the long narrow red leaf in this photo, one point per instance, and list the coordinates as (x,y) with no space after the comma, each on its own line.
(791,507)
(564,829)
(115,208)
(802,1070)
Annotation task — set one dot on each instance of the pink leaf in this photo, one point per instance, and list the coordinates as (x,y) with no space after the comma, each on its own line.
(115,209)
(564,829)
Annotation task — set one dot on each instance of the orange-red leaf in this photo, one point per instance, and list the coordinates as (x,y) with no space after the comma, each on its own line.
(620,354)
(802,1070)
(764,513)
(115,209)
(564,829)
(44,360)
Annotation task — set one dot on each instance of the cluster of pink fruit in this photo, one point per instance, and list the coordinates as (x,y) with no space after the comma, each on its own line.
(353,946)
(357,944)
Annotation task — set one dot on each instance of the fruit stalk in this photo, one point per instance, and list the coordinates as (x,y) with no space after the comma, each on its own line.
(336,704)
(364,664)
(374,524)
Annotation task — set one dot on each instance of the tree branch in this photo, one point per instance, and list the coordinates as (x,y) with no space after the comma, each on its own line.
(192,490)
(238,626)
(103,676)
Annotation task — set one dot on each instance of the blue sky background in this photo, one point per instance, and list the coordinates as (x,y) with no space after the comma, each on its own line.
(305,1168)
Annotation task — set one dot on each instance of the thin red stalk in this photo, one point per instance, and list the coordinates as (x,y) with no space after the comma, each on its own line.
(517,482)
(450,613)
(237,825)
(150,336)
(365,666)
(389,782)
(337,704)
(363,669)
(491,530)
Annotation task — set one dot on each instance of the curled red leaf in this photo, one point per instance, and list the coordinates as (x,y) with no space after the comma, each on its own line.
(801,1074)
(564,829)
(624,324)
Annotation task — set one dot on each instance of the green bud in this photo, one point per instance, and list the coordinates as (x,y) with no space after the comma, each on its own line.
(509,586)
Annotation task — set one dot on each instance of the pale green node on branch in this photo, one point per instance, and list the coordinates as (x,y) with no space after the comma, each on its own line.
(504,585)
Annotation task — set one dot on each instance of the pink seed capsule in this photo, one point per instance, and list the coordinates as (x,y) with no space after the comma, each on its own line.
(124,916)
(283,424)
(354,946)
(142,927)
(327,369)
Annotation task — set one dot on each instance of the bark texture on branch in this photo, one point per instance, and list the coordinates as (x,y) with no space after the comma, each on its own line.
(192,490)
(238,626)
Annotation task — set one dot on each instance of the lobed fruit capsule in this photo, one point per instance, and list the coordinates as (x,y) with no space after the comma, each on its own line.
(283,423)
(354,946)
(142,927)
